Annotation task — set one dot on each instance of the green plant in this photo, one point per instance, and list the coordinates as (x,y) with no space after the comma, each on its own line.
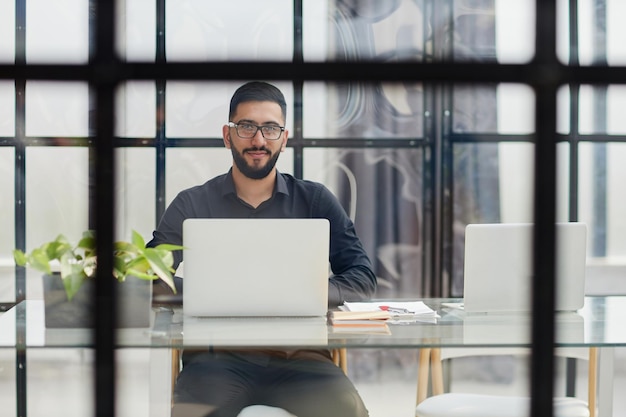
(78,263)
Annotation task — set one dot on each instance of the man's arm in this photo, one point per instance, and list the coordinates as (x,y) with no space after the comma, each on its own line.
(170,228)
(353,278)
(357,284)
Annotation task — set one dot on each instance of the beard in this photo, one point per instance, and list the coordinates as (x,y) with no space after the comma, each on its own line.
(254,172)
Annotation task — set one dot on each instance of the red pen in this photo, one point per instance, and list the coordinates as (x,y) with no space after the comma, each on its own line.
(394,309)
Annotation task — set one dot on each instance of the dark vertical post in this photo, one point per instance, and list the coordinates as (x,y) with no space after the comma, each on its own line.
(90,150)
(431,283)
(570,367)
(20,207)
(543,250)
(298,86)
(443,17)
(104,71)
(161,139)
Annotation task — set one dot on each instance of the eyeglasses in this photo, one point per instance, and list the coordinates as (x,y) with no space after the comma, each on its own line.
(248,130)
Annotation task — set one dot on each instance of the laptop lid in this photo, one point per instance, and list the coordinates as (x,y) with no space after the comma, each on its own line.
(498,268)
(255,267)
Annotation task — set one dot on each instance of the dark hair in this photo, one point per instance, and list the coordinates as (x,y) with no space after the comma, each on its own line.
(257,91)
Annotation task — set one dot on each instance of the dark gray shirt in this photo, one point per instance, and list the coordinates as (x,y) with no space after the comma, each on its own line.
(352,278)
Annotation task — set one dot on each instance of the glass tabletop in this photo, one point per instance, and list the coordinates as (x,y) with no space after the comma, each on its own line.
(598,323)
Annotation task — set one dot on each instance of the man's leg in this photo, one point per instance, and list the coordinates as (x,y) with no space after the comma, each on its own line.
(312,388)
(214,384)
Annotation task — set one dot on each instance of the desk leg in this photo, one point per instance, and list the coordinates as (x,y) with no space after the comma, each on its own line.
(605,382)
(422,374)
(160,382)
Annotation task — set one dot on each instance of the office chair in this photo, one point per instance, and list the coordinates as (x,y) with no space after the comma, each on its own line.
(455,404)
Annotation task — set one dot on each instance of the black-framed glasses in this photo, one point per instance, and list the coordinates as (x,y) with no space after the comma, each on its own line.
(248,130)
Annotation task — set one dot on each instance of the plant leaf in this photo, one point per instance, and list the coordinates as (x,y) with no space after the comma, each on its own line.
(73,278)
(169,247)
(138,240)
(161,264)
(39,260)
(19,257)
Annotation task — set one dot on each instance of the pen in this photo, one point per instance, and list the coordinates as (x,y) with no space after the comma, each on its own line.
(394,309)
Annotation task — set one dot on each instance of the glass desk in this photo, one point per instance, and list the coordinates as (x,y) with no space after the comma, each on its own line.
(599,324)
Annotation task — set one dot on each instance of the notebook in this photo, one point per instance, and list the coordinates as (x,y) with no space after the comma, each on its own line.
(498,268)
(255,267)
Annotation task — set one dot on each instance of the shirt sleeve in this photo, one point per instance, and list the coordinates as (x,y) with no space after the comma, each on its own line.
(170,228)
(352,278)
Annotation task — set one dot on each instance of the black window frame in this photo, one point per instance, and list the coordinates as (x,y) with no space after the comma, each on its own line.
(544,73)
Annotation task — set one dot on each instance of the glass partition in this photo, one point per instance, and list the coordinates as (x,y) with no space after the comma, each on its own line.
(413,161)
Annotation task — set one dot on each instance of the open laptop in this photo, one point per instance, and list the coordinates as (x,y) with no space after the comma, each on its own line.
(498,267)
(256,267)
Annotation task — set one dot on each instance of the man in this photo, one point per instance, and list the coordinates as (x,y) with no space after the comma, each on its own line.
(304,382)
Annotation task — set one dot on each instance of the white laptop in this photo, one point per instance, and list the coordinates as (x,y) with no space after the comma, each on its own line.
(498,267)
(255,267)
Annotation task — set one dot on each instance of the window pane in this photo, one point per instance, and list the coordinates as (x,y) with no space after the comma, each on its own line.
(404,30)
(515,109)
(57,109)
(137,30)
(315,30)
(474,31)
(62,38)
(616,50)
(135,190)
(475,108)
(136,109)
(57,184)
(515,31)
(7,108)
(7,224)
(380,31)
(600,32)
(602,208)
(381,190)
(215,30)
(7,31)
(200,109)
(316,109)
(562,30)
(601,109)
(363,110)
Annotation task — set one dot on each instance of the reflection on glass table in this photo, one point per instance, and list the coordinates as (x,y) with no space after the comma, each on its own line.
(599,323)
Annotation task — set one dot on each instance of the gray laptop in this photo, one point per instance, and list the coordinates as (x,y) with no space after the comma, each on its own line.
(498,268)
(255,267)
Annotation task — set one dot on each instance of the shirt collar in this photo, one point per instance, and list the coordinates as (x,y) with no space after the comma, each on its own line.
(228,186)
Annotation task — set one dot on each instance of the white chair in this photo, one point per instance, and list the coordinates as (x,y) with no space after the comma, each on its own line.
(455,404)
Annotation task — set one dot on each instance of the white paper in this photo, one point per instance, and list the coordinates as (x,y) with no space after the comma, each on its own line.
(416,310)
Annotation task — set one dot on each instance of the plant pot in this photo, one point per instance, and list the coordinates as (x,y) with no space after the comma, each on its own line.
(134,299)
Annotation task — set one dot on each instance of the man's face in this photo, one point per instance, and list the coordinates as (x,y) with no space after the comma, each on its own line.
(255,157)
